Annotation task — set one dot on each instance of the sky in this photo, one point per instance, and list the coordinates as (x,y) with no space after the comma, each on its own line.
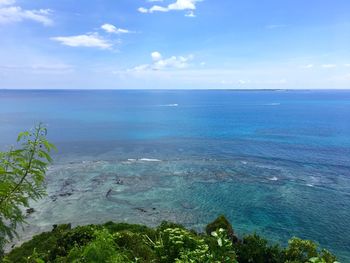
(175,44)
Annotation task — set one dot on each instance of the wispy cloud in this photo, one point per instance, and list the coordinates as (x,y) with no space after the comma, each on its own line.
(11,13)
(325,66)
(109,28)
(189,5)
(7,2)
(190,14)
(39,67)
(42,69)
(243,82)
(52,67)
(308,66)
(329,66)
(142,10)
(92,40)
(160,63)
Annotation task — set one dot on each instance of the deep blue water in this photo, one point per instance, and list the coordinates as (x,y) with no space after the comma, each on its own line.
(274,162)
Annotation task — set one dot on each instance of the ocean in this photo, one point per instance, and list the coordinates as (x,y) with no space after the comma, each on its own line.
(275,162)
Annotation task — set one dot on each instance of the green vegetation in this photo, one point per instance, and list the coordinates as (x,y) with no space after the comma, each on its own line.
(113,242)
(221,222)
(22,173)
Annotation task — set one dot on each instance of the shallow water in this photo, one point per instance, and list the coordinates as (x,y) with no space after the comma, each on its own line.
(274,162)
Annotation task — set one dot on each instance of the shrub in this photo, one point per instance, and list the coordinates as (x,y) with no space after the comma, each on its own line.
(221,222)
(79,236)
(223,251)
(168,243)
(254,248)
(174,243)
(118,227)
(134,245)
(101,249)
(43,244)
(300,250)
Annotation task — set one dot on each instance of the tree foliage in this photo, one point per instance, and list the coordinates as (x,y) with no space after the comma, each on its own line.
(168,243)
(22,174)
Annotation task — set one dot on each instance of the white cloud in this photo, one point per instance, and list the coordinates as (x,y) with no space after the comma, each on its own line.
(173,62)
(156,56)
(308,66)
(52,67)
(183,5)
(189,5)
(7,2)
(243,82)
(225,82)
(329,66)
(190,14)
(9,13)
(142,67)
(347,65)
(157,8)
(142,10)
(87,40)
(39,67)
(109,28)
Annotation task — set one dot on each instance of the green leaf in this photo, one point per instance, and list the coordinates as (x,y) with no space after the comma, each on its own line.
(45,155)
(22,134)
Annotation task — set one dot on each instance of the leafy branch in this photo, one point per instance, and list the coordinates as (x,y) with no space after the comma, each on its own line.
(22,175)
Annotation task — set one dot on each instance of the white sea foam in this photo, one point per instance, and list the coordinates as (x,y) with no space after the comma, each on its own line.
(244,162)
(131,160)
(169,105)
(311,185)
(273,178)
(273,104)
(149,160)
(128,161)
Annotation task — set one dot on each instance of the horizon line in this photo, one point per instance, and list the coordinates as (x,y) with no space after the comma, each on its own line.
(156,89)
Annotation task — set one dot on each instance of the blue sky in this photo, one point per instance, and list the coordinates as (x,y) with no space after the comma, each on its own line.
(175,44)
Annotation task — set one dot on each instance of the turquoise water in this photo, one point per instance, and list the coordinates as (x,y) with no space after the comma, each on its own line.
(274,162)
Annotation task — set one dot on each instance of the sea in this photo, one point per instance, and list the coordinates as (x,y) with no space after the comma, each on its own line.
(274,162)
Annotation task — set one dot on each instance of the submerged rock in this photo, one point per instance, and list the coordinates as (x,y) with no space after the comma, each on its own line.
(65,194)
(108,193)
(187,205)
(30,210)
(140,209)
(119,181)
